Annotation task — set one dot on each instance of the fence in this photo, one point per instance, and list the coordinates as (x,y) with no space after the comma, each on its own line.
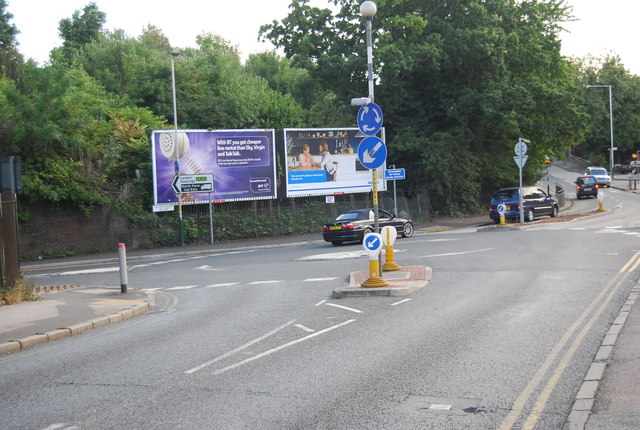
(9,261)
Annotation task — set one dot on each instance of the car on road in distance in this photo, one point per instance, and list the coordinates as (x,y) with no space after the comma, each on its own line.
(586,186)
(600,173)
(626,167)
(536,203)
(353,225)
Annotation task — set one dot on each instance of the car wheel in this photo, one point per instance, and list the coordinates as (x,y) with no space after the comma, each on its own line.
(336,242)
(554,212)
(407,229)
(530,215)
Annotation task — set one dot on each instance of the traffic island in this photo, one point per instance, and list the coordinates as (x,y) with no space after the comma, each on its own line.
(406,281)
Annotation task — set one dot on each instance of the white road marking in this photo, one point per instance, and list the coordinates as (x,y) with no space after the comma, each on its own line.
(320,279)
(227,284)
(320,303)
(307,329)
(344,307)
(184,287)
(441,240)
(240,348)
(456,253)
(207,267)
(347,255)
(400,302)
(578,228)
(281,347)
(89,271)
(264,282)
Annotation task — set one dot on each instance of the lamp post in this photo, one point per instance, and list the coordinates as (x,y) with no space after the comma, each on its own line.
(174,54)
(611,149)
(368,10)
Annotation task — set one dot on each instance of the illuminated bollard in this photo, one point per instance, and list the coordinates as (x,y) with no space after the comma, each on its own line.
(372,244)
(501,210)
(389,235)
(601,201)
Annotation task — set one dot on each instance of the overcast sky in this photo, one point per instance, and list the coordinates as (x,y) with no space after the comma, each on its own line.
(602,26)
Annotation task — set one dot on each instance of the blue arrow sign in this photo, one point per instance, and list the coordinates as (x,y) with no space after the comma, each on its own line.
(372,242)
(370,119)
(372,152)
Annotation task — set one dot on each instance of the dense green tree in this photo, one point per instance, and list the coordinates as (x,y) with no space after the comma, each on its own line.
(10,58)
(459,82)
(626,110)
(81,29)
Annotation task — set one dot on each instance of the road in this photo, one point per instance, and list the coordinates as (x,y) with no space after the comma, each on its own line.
(501,338)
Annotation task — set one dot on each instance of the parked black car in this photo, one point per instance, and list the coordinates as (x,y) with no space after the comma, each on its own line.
(536,203)
(586,186)
(352,226)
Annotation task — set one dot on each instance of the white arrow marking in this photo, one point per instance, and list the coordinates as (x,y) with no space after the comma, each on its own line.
(365,110)
(378,116)
(368,155)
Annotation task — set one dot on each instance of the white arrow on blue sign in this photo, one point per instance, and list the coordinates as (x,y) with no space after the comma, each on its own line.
(370,119)
(372,152)
(372,242)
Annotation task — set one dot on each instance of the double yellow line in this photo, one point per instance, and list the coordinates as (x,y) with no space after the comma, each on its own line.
(604,298)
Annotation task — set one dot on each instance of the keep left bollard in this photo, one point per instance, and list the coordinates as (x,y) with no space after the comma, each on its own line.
(372,244)
(122,253)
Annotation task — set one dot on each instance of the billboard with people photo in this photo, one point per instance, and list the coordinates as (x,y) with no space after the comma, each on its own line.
(242,163)
(325,162)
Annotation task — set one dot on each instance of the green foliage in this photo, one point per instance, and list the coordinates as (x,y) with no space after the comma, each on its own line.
(80,30)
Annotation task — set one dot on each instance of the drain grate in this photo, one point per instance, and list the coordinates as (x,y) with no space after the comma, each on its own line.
(442,405)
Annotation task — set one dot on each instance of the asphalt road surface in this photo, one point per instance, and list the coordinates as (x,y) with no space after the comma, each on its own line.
(501,338)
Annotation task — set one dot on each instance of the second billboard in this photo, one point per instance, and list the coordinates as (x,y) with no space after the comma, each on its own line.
(325,161)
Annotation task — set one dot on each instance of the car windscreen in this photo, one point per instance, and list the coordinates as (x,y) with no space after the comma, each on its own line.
(598,172)
(504,195)
(348,216)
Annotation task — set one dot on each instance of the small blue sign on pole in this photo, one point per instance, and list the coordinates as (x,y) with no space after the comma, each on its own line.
(394,174)
(370,119)
(372,152)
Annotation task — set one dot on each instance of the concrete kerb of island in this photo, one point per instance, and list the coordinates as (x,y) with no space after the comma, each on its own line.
(75,329)
(406,281)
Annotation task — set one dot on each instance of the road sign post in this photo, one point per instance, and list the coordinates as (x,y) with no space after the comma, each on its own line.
(520,159)
(372,244)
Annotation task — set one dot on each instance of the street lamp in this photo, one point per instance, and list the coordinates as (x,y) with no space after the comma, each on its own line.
(174,54)
(368,10)
(610,120)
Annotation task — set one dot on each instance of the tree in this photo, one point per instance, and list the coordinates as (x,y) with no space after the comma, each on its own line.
(459,82)
(10,58)
(80,30)
(626,109)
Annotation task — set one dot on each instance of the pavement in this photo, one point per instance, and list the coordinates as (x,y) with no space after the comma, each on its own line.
(609,397)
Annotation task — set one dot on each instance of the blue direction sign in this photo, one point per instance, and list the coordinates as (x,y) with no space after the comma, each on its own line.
(372,152)
(372,242)
(370,119)
(394,174)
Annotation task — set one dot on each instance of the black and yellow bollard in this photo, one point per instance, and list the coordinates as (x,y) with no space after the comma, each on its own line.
(372,244)
(389,235)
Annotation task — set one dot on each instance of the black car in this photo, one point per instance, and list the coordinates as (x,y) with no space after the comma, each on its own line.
(352,226)
(586,186)
(536,203)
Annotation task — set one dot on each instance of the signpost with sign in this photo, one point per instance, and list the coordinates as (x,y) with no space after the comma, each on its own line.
(201,183)
(520,159)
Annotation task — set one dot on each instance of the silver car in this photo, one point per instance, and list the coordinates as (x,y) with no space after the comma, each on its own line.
(600,173)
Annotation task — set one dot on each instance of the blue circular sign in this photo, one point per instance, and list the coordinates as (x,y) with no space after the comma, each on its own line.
(370,119)
(372,152)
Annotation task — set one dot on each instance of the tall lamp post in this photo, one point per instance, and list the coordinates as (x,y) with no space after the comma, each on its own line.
(611,149)
(368,10)
(174,54)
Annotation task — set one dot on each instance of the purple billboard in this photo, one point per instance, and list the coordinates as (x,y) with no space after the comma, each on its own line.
(242,163)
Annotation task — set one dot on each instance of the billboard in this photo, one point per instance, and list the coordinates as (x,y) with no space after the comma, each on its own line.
(242,163)
(324,161)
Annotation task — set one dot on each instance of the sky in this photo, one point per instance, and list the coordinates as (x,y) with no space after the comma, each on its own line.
(602,26)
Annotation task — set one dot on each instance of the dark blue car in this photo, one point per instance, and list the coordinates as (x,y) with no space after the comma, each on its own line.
(536,203)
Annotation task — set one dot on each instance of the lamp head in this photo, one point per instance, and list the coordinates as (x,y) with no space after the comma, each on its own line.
(175,52)
(368,9)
